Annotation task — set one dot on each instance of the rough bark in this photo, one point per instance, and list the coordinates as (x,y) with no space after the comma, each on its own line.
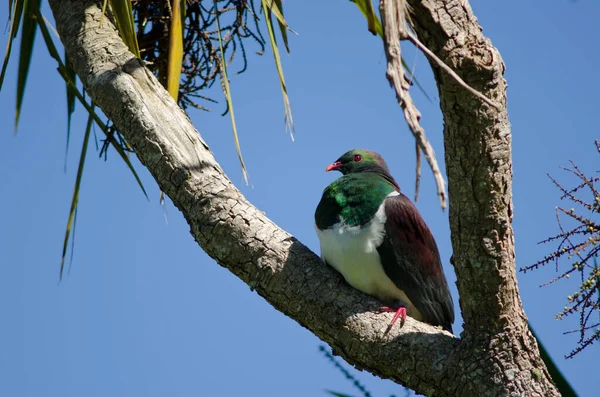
(495,357)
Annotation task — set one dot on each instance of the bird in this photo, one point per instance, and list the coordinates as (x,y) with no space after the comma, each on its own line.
(372,234)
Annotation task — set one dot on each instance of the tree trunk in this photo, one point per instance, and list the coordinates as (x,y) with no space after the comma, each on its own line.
(496,356)
(477,142)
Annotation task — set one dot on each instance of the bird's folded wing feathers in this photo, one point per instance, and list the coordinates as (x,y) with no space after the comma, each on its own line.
(411,259)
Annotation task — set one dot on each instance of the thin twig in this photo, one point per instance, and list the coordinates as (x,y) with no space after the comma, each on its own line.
(394,29)
(451,72)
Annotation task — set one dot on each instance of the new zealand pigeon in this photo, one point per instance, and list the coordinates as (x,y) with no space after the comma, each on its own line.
(373,234)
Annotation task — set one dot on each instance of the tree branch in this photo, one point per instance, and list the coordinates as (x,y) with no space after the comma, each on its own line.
(413,39)
(232,231)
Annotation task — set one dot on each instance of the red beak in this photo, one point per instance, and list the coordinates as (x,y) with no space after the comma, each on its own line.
(335,166)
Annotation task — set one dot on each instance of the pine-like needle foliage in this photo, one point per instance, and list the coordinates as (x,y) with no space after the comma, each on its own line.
(577,244)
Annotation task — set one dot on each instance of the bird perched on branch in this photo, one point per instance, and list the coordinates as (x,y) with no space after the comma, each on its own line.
(375,237)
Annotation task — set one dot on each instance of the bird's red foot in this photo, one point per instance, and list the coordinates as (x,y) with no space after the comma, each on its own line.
(400,314)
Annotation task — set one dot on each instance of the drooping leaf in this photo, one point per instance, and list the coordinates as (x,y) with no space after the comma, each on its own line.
(73,234)
(28,30)
(289,121)
(174,63)
(73,88)
(175,56)
(371,18)
(15,11)
(70,102)
(75,199)
(276,8)
(43,23)
(109,136)
(373,22)
(123,14)
(227,91)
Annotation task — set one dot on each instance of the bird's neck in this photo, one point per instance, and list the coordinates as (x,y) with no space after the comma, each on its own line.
(385,175)
(359,196)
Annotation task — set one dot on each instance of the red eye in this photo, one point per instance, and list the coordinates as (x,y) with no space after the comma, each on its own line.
(357,158)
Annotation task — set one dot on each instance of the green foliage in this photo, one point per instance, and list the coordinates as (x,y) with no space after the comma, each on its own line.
(72,88)
(227,91)
(373,22)
(75,199)
(15,11)
(123,13)
(578,244)
(28,30)
(25,14)
(175,56)
(275,7)
(70,74)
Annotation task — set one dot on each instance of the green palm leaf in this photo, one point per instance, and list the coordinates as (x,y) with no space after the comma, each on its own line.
(373,22)
(15,11)
(268,7)
(93,116)
(123,14)
(73,89)
(227,90)
(175,56)
(75,199)
(28,31)
(276,8)
(70,103)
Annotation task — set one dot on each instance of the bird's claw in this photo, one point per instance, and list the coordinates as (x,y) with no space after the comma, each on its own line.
(400,314)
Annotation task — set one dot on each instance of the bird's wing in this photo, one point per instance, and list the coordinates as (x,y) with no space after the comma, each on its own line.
(411,259)
(327,213)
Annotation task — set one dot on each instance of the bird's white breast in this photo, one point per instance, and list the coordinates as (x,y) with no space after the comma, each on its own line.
(352,251)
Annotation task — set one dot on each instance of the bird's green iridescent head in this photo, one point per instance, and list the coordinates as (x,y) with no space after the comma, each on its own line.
(359,160)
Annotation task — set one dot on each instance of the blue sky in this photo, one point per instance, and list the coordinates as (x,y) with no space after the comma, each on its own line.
(144,312)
